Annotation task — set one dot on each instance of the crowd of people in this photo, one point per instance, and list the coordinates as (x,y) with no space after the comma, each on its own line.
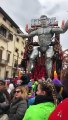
(34,100)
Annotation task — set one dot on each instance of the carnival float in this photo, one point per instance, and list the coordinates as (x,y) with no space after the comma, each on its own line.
(59,57)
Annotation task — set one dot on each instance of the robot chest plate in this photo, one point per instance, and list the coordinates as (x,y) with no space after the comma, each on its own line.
(44,31)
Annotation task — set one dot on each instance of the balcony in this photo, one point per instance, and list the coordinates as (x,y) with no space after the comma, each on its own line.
(3,38)
(3,62)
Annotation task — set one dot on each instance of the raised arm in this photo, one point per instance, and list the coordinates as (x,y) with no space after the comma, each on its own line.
(60,30)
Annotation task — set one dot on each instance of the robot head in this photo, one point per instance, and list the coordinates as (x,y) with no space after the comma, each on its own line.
(44,20)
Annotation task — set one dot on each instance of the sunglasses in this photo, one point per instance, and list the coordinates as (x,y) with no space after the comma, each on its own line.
(17,91)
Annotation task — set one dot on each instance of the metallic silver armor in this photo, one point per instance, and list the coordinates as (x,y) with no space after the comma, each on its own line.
(45,33)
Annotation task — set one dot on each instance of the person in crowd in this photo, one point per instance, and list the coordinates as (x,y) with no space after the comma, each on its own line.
(10,88)
(25,79)
(61,111)
(4,101)
(31,94)
(44,103)
(65,84)
(58,86)
(18,104)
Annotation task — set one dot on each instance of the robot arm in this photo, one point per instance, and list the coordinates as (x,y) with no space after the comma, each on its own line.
(21,35)
(31,34)
(59,30)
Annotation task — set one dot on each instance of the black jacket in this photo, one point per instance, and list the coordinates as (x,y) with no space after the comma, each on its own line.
(4,103)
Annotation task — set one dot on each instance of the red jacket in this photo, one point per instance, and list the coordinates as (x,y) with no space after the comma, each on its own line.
(61,111)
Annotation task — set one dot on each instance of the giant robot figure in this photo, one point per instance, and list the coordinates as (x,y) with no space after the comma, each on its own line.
(45,32)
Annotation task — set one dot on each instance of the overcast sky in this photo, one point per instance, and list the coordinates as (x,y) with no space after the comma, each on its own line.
(22,11)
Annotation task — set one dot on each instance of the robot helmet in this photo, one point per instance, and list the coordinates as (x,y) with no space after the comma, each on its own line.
(43,17)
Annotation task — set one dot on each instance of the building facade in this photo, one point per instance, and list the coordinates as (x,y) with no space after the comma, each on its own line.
(11,46)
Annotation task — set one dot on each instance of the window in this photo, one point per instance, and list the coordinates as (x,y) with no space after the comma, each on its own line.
(22,42)
(0,54)
(21,53)
(16,50)
(8,57)
(18,31)
(6,74)
(4,18)
(17,39)
(11,25)
(3,31)
(10,36)
(15,63)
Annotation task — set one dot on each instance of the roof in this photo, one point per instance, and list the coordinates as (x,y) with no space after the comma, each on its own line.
(8,18)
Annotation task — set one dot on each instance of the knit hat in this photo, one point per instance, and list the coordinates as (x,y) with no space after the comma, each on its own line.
(61,111)
(57,82)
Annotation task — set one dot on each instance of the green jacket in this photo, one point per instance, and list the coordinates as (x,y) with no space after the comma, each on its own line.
(39,112)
